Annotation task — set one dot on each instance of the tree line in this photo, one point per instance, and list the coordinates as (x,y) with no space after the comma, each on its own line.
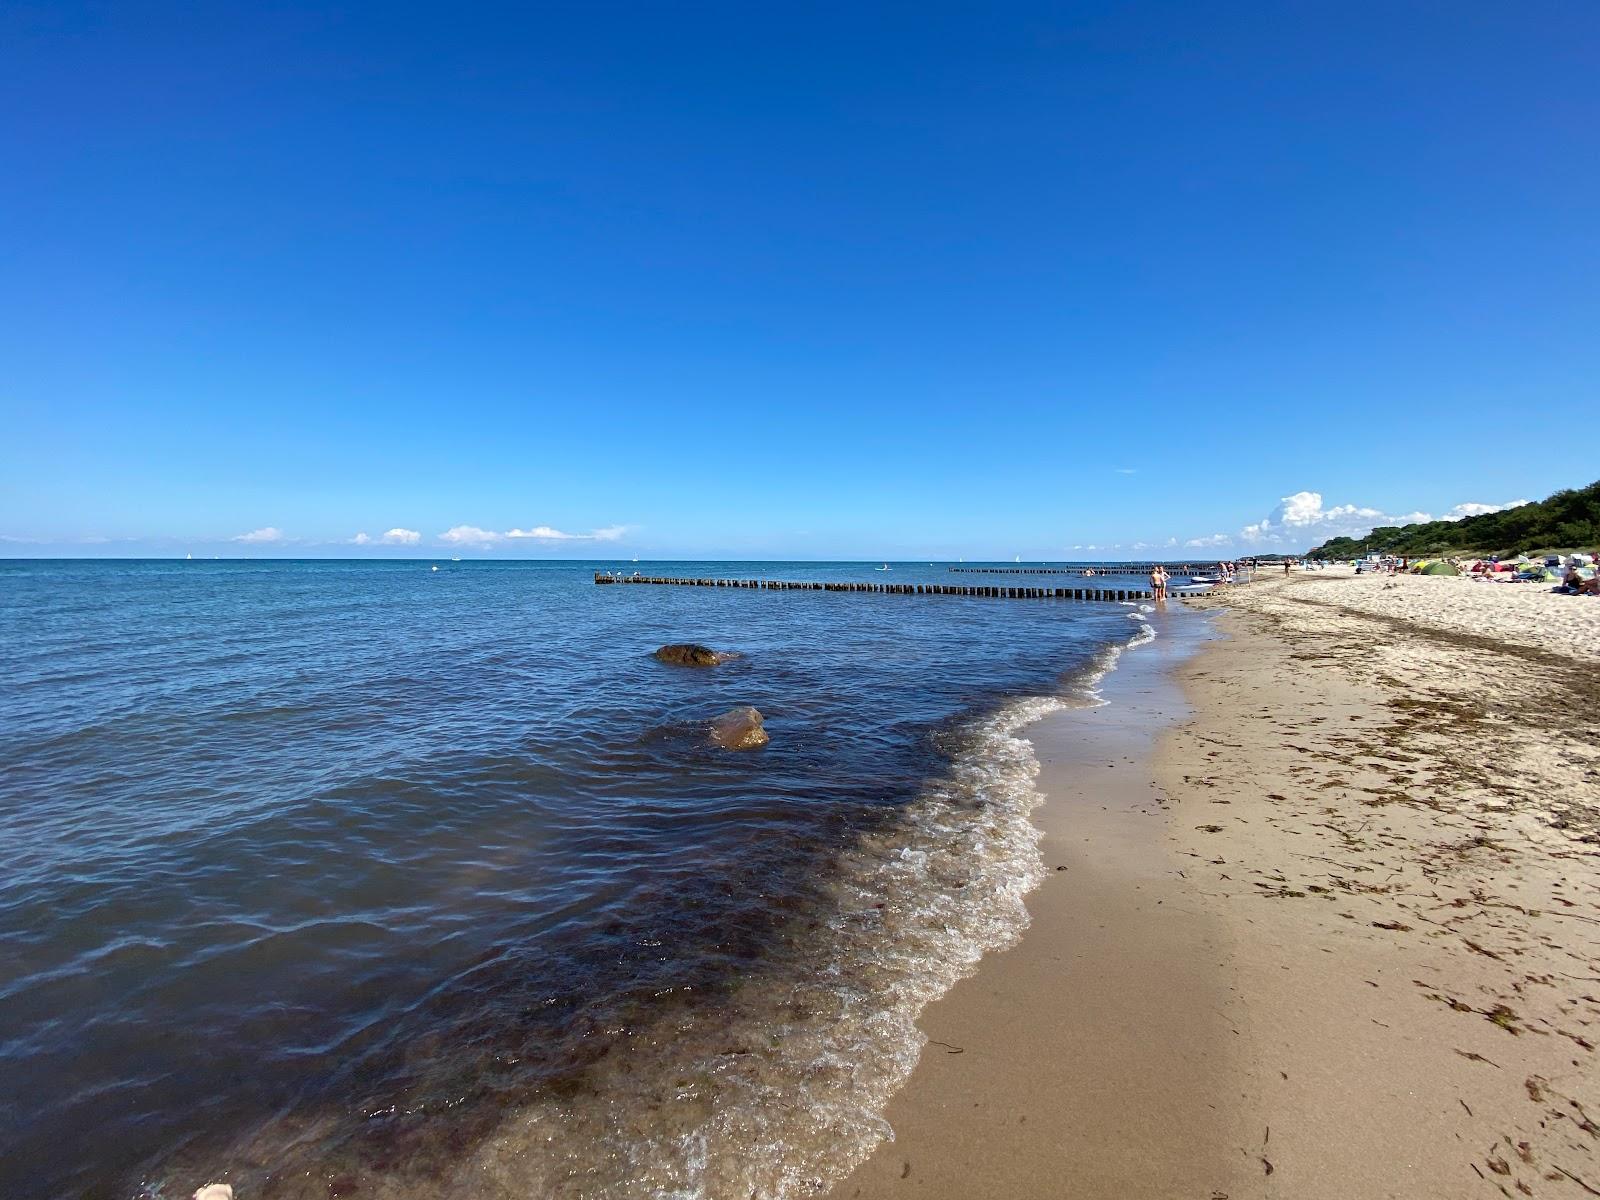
(1568,520)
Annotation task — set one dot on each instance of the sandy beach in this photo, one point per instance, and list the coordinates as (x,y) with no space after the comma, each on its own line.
(1323,918)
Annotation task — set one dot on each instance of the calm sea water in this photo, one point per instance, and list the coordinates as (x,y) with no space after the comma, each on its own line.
(336,878)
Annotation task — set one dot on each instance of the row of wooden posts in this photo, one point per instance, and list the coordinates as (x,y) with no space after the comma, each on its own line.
(892,589)
(1118,569)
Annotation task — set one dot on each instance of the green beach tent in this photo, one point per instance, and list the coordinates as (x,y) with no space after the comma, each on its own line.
(1439,568)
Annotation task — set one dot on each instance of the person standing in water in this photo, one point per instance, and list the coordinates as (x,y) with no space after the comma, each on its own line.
(1158,581)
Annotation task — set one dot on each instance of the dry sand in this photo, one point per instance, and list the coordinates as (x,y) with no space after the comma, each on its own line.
(1335,934)
(1524,614)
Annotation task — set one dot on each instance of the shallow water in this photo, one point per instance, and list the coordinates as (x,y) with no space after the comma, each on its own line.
(342,878)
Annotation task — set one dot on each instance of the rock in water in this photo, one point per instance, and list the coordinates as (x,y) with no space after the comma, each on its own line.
(739,729)
(690,654)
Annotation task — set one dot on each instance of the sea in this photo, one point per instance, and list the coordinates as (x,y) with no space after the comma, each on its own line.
(424,879)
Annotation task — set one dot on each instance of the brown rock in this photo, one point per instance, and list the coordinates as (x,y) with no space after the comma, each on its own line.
(739,729)
(691,654)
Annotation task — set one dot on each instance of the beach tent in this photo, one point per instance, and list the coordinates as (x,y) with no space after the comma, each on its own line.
(1439,568)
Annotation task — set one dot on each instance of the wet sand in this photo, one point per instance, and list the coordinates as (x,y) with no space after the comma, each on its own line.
(1332,932)
(1096,1057)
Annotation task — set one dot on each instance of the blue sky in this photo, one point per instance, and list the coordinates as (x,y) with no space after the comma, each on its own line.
(818,280)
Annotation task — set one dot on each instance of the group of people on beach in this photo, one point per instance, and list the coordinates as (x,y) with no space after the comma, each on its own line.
(1226,572)
(1575,573)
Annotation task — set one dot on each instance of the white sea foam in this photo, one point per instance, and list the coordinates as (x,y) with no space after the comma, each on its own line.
(1086,686)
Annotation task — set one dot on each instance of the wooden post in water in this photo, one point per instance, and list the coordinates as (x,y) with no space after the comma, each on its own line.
(993,590)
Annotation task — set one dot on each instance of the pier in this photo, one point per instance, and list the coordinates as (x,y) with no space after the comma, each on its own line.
(994,591)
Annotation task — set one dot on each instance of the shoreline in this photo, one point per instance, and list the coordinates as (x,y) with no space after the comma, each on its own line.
(1038,1078)
(1330,925)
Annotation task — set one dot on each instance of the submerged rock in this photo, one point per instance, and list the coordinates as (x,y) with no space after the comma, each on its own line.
(692,654)
(739,729)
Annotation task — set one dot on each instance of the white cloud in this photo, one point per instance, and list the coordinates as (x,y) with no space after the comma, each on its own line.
(1300,521)
(1303,512)
(1471,509)
(545,533)
(541,533)
(394,537)
(266,533)
(1127,470)
(469,535)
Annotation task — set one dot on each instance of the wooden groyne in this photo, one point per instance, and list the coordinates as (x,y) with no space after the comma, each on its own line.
(996,591)
(1117,569)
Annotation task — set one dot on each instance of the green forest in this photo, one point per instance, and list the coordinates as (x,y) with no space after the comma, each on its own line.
(1568,520)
